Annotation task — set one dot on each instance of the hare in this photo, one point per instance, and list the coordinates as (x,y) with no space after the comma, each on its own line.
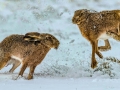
(30,36)
(94,25)
(29,54)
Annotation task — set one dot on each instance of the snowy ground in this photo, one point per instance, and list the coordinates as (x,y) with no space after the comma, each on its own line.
(67,68)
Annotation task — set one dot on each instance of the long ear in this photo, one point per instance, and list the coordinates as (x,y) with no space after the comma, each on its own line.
(81,11)
(84,10)
(32,36)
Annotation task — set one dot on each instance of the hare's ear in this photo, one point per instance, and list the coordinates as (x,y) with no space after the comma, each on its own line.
(32,36)
(81,11)
(28,38)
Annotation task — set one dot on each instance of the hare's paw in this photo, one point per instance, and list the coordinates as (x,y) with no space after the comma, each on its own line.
(104,48)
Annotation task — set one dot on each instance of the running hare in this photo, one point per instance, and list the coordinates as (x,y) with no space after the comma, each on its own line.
(94,25)
(29,54)
(31,37)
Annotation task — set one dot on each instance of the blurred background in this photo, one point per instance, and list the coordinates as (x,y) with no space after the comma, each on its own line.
(21,16)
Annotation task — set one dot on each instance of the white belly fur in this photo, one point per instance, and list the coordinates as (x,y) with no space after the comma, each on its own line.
(104,36)
(17,58)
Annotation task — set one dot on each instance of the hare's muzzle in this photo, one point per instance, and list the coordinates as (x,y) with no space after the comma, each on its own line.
(73,20)
(57,45)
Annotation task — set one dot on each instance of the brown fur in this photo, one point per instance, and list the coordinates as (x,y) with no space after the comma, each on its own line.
(31,37)
(94,25)
(28,53)
(15,64)
(114,35)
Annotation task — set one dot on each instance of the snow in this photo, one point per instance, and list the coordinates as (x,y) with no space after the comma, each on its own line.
(67,68)
(65,84)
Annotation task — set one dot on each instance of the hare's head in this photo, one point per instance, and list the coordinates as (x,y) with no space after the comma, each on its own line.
(79,15)
(43,38)
(49,40)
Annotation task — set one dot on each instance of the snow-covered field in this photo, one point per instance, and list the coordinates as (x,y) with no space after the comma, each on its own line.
(67,68)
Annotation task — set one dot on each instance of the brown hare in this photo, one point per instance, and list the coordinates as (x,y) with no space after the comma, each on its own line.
(94,25)
(31,37)
(29,54)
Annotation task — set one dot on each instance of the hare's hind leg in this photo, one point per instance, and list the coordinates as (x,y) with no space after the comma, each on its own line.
(97,52)
(113,35)
(106,47)
(30,76)
(16,63)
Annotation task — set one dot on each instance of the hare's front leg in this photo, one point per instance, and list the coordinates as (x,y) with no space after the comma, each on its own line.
(113,35)
(31,72)
(15,65)
(93,61)
(24,66)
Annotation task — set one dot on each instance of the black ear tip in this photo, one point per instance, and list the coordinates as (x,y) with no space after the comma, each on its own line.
(24,36)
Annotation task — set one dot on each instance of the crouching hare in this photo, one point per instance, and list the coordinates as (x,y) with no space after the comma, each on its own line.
(27,52)
(30,37)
